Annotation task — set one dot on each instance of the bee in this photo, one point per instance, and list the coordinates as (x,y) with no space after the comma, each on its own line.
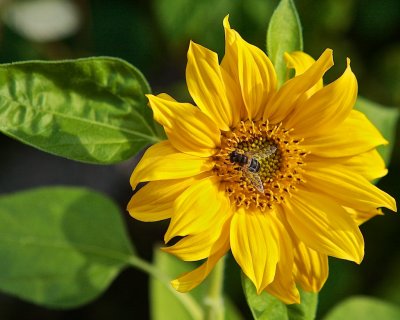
(250,163)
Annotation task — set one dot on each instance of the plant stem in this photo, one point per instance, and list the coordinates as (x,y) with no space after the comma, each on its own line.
(214,300)
(187,300)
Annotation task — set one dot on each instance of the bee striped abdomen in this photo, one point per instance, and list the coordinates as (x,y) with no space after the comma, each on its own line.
(254,165)
(238,158)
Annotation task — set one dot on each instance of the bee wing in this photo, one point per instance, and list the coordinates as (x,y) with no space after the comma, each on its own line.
(265,153)
(254,179)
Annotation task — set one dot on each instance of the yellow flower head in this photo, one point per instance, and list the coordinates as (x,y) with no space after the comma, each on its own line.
(279,176)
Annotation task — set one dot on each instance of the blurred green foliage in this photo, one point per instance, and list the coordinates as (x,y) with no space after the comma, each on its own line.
(154,36)
(63,263)
(364,308)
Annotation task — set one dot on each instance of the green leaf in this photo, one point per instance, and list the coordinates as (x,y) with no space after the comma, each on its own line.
(60,247)
(306,309)
(91,110)
(164,305)
(284,35)
(364,308)
(167,306)
(178,29)
(267,307)
(385,119)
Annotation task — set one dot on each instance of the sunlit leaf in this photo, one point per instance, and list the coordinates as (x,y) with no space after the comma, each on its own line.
(385,119)
(284,35)
(307,309)
(364,308)
(166,305)
(267,307)
(60,247)
(91,110)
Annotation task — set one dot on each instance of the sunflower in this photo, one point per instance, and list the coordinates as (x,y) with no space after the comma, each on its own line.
(281,177)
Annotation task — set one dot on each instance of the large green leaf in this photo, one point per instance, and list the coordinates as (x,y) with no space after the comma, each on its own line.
(364,308)
(284,35)
(385,119)
(170,305)
(60,247)
(267,307)
(91,110)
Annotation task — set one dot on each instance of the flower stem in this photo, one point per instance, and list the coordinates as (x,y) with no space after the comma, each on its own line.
(214,300)
(187,300)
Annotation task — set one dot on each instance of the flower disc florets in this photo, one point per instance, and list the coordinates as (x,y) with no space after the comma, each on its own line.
(281,160)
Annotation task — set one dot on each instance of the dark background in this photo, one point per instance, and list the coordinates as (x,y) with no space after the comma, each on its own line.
(154,36)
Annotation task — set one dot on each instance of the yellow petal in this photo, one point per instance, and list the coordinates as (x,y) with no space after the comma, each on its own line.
(284,101)
(155,200)
(188,129)
(234,96)
(196,247)
(300,62)
(347,188)
(254,245)
(327,108)
(190,280)
(229,61)
(229,69)
(324,226)
(207,87)
(311,268)
(163,162)
(354,136)
(369,164)
(200,205)
(230,73)
(284,287)
(363,216)
(252,69)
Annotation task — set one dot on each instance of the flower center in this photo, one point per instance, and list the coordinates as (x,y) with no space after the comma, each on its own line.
(259,163)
